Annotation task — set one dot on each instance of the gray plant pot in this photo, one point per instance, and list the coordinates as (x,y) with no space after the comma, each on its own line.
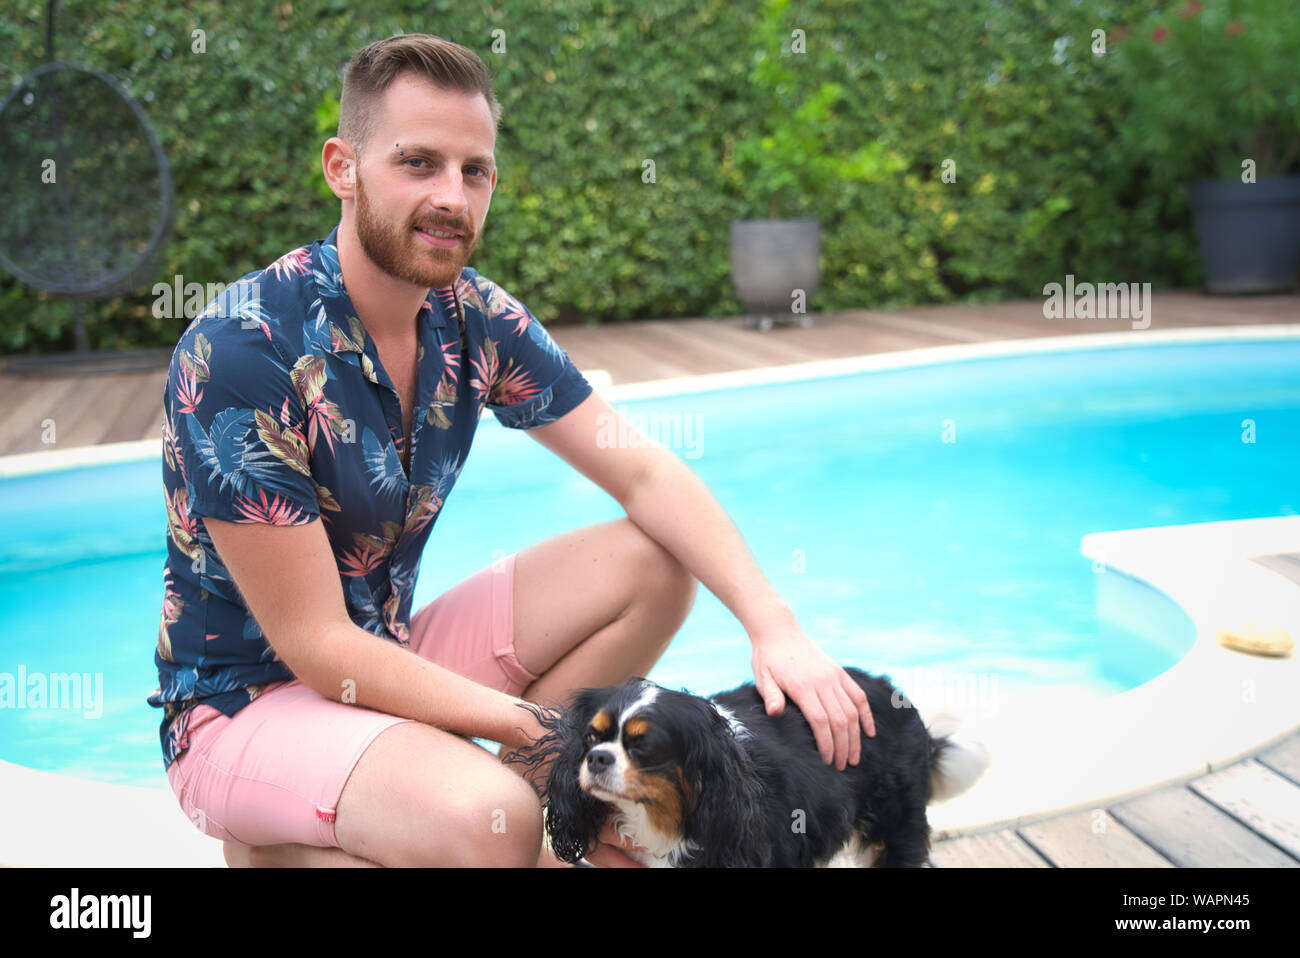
(770,259)
(1249,233)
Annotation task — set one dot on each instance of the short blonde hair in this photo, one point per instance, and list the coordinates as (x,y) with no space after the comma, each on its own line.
(373,67)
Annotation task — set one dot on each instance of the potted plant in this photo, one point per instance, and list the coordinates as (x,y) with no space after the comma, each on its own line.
(1213,104)
(787,166)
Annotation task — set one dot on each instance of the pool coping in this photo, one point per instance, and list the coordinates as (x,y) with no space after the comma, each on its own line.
(51,460)
(1214,707)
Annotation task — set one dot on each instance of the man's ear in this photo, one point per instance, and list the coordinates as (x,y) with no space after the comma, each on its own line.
(339,164)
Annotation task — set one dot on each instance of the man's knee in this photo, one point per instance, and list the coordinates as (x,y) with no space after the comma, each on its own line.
(661,576)
(418,798)
(502,829)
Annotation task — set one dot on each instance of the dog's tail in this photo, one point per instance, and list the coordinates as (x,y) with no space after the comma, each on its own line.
(956,760)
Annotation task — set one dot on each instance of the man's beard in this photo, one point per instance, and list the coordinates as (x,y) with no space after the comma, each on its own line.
(401,254)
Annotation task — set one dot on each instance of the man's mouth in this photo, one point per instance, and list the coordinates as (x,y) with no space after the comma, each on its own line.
(444,239)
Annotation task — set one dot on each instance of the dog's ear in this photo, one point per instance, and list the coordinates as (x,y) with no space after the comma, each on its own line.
(573,818)
(724,818)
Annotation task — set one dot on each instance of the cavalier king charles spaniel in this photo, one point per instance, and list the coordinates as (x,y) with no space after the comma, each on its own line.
(718,782)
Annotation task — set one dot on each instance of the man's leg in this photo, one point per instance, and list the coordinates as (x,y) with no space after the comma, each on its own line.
(591,607)
(419,796)
(595,606)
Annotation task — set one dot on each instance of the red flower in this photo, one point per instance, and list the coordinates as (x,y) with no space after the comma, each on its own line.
(1159,34)
(1191,10)
(1232,29)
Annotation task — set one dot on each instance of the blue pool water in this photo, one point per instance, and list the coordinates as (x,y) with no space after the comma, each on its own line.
(954,561)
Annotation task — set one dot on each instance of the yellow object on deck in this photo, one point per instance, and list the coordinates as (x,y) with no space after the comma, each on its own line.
(1251,637)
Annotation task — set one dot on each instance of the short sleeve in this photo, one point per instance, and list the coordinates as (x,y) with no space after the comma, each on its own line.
(535,383)
(239,419)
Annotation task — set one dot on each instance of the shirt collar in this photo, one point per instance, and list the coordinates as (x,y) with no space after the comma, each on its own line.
(328,277)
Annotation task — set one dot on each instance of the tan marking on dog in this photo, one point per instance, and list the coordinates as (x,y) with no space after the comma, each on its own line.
(636,726)
(659,795)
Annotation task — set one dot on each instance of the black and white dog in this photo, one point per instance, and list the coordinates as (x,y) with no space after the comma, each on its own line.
(718,782)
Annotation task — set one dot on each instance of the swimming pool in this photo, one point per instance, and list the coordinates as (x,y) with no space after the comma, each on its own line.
(921,521)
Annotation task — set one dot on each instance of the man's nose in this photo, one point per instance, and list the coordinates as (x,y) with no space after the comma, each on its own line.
(449,196)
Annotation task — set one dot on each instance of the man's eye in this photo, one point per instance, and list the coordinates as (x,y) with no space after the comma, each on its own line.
(482,172)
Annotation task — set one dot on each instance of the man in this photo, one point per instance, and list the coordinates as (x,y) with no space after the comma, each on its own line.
(343,383)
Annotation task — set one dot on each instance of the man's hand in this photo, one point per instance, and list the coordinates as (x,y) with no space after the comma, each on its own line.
(607,852)
(786,662)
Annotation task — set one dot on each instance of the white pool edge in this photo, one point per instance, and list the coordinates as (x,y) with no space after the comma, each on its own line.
(1212,708)
(135,450)
(1194,715)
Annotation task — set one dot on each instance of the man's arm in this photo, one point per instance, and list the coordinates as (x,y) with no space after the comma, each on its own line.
(696,530)
(304,618)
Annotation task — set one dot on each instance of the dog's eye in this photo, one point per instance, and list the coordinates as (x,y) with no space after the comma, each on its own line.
(590,739)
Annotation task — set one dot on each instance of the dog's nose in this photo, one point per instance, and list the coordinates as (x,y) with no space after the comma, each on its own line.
(599,760)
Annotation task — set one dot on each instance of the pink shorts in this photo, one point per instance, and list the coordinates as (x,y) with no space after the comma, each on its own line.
(273,772)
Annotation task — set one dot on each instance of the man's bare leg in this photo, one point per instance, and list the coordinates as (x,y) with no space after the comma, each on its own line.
(420,796)
(591,607)
(595,606)
(291,855)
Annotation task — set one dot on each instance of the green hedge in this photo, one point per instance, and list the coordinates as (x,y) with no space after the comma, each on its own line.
(1009,91)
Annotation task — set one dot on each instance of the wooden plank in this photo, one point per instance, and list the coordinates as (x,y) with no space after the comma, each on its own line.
(1092,838)
(1004,849)
(950,328)
(12,389)
(587,354)
(665,360)
(626,358)
(20,429)
(861,338)
(1258,797)
(1285,564)
(1284,758)
(749,347)
(142,414)
(1193,833)
(79,418)
(1191,307)
(712,350)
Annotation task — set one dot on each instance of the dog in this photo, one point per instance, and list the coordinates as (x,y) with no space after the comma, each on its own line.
(718,782)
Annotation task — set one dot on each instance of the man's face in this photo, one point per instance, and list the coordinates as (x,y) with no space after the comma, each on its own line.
(404,186)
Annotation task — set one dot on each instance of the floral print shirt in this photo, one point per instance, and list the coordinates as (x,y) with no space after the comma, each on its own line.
(278,410)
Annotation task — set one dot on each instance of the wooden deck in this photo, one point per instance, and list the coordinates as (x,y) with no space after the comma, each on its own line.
(119,398)
(1245,815)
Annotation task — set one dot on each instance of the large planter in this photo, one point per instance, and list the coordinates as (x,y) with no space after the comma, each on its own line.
(770,259)
(1249,233)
